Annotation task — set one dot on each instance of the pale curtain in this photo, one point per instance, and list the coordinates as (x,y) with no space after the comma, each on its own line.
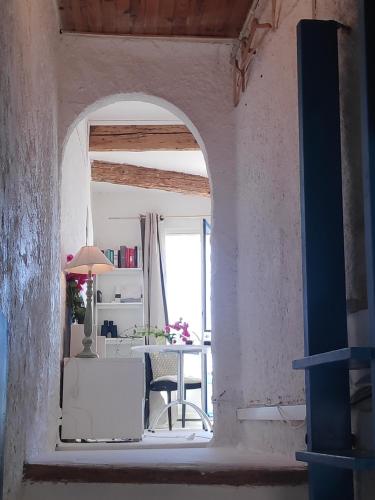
(154,294)
(155,304)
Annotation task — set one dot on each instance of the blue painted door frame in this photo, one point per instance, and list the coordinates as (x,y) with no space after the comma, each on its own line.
(367,19)
(327,387)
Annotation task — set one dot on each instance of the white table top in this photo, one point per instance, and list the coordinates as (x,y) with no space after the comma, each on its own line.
(182,348)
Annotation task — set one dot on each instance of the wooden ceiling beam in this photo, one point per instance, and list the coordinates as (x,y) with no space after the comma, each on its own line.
(150,178)
(214,18)
(141,138)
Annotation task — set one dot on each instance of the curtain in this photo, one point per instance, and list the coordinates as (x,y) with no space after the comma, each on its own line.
(154,299)
(155,302)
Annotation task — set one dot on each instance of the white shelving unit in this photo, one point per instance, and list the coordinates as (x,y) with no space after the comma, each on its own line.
(128,282)
(117,305)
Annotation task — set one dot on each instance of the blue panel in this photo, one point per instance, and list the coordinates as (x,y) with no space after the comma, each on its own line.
(355,358)
(327,483)
(367,19)
(327,387)
(353,460)
(321,188)
(368,147)
(3,392)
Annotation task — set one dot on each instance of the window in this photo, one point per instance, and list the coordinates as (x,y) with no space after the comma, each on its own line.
(184,278)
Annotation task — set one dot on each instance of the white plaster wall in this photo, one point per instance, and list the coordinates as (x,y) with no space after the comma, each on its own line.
(29,214)
(252,155)
(76,214)
(75,193)
(270,311)
(197,79)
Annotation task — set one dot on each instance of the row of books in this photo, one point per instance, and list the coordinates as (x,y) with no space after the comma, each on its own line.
(128,257)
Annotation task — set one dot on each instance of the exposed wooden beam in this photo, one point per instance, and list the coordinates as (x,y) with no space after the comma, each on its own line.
(141,138)
(149,178)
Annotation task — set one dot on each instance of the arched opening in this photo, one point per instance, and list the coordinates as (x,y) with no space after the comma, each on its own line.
(132,164)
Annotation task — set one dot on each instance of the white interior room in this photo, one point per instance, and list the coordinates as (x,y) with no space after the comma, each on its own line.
(109,216)
(240,246)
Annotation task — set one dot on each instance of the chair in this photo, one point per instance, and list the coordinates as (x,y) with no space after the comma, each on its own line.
(161,375)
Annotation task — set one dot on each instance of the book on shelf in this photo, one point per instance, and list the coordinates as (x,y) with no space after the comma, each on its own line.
(110,254)
(124,257)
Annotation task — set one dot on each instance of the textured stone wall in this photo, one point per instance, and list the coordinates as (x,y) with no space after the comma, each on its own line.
(75,193)
(194,81)
(29,217)
(270,311)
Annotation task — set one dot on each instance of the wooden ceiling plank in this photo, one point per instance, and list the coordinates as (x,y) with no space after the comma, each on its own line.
(194,18)
(212,18)
(138,9)
(109,15)
(123,18)
(141,138)
(231,24)
(224,17)
(80,13)
(94,16)
(151,25)
(237,17)
(150,178)
(66,14)
(181,13)
(165,15)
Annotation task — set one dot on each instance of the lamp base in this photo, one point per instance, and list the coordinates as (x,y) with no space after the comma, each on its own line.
(87,355)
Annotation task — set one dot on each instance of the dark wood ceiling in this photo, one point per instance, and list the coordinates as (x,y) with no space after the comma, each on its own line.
(200,18)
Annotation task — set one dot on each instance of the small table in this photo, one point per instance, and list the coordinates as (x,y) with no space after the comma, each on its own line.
(179,350)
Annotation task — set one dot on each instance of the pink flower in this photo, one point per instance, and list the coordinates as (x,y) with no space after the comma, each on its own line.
(167,329)
(177,326)
(69,257)
(82,278)
(185,331)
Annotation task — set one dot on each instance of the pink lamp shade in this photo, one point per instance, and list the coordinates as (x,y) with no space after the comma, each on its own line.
(89,258)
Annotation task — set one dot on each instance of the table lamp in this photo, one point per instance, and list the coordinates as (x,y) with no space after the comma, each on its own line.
(89,260)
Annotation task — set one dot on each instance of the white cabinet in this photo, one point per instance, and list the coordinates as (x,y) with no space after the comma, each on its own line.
(129,283)
(103,399)
(122,348)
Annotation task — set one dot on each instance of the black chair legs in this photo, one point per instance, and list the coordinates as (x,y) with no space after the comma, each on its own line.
(169,411)
(184,411)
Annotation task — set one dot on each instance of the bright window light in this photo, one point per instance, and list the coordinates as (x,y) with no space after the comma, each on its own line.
(184,279)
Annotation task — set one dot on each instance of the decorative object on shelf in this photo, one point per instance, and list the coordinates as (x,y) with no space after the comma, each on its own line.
(147,332)
(99,297)
(88,261)
(104,329)
(74,300)
(112,330)
(108,329)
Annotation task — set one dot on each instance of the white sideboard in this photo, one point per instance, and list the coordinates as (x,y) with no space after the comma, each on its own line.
(103,399)
(122,347)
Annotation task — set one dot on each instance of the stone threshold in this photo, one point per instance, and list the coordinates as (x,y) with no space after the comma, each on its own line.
(197,466)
